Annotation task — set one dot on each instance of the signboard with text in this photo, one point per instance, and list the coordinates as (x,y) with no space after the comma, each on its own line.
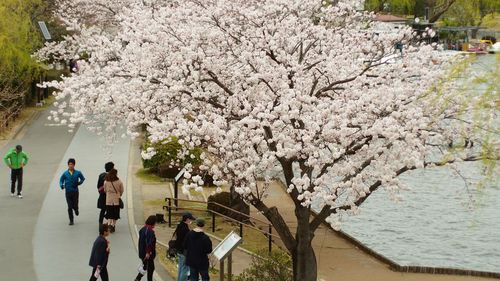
(227,245)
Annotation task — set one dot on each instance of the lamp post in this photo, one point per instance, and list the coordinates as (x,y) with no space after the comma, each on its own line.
(46,35)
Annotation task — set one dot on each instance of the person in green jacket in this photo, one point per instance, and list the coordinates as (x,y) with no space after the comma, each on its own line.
(16,159)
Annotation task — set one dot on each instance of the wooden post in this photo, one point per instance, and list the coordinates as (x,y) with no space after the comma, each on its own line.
(213,222)
(169,212)
(176,195)
(229,266)
(221,270)
(270,239)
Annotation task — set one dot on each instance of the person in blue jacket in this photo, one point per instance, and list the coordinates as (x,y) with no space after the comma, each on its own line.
(99,255)
(69,181)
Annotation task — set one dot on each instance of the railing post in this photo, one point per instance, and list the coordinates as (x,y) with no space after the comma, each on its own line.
(169,212)
(176,195)
(213,222)
(270,238)
(241,229)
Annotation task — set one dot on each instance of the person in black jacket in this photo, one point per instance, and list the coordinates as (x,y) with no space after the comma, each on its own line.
(147,248)
(99,255)
(101,201)
(180,233)
(198,246)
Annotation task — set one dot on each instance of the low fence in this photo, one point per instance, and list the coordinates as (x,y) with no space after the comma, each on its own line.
(171,208)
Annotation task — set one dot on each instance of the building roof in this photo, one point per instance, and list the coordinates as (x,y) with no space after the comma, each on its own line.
(389,18)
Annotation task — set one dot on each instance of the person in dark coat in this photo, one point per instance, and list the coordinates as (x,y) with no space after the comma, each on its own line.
(99,255)
(101,201)
(198,246)
(147,248)
(180,233)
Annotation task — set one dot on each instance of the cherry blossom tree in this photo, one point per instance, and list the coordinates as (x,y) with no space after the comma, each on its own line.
(314,93)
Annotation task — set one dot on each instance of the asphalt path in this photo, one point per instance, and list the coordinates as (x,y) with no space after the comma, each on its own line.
(36,242)
(46,145)
(61,252)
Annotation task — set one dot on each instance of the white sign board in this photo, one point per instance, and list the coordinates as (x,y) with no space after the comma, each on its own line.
(179,175)
(227,245)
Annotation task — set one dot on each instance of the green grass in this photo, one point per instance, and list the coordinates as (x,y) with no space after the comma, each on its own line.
(253,240)
(148,176)
(155,202)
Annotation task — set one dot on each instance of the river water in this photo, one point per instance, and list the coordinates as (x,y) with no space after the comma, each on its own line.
(440,223)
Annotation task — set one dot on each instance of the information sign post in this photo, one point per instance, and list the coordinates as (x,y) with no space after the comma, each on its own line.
(224,251)
(176,186)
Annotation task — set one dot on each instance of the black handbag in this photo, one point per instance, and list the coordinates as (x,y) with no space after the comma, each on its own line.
(172,251)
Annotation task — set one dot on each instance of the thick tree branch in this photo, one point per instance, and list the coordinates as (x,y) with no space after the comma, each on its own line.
(279,224)
(219,83)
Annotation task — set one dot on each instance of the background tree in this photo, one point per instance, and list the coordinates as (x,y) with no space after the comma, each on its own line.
(280,88)
(390,6)
(19,38)
(470,13)
(416,8)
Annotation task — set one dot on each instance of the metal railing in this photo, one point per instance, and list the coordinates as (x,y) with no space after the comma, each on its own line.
(268,234)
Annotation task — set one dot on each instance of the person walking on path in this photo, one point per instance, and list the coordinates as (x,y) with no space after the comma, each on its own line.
(180,233)
(16,159)
(101,201)
(147,248)
(113,187)
(198,246)
(69,181)
(99,255)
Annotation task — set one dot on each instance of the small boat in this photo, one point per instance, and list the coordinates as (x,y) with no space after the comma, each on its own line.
(478,49)
(495,48)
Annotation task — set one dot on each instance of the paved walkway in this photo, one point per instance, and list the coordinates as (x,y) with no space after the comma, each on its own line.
(19,216)
(37,242)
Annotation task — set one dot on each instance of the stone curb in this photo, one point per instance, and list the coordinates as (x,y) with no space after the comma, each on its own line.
(130,208)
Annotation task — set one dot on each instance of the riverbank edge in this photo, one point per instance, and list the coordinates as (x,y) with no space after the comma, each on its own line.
(394,266)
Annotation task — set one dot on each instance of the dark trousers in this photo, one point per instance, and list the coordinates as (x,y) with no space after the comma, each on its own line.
(149,265)
(103,274)
(16,175)
(195,273)
(101,215)
(72,200)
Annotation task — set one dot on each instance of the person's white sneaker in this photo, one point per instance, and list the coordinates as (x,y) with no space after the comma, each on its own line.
(19,196)
(12,194)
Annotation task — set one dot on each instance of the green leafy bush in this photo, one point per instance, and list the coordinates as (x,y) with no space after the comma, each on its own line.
(276,266)
(167,160)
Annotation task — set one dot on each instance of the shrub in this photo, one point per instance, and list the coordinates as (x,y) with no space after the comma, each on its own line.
(224,198)
(276,266)
(166,161)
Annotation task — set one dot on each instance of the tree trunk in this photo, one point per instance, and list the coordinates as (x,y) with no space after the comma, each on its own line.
(304,258)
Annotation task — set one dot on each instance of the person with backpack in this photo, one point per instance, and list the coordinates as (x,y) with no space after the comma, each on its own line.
(16,159)
(198,245)
(69,181)
(181,231)
(147,249)
(100,254)
(101,201)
